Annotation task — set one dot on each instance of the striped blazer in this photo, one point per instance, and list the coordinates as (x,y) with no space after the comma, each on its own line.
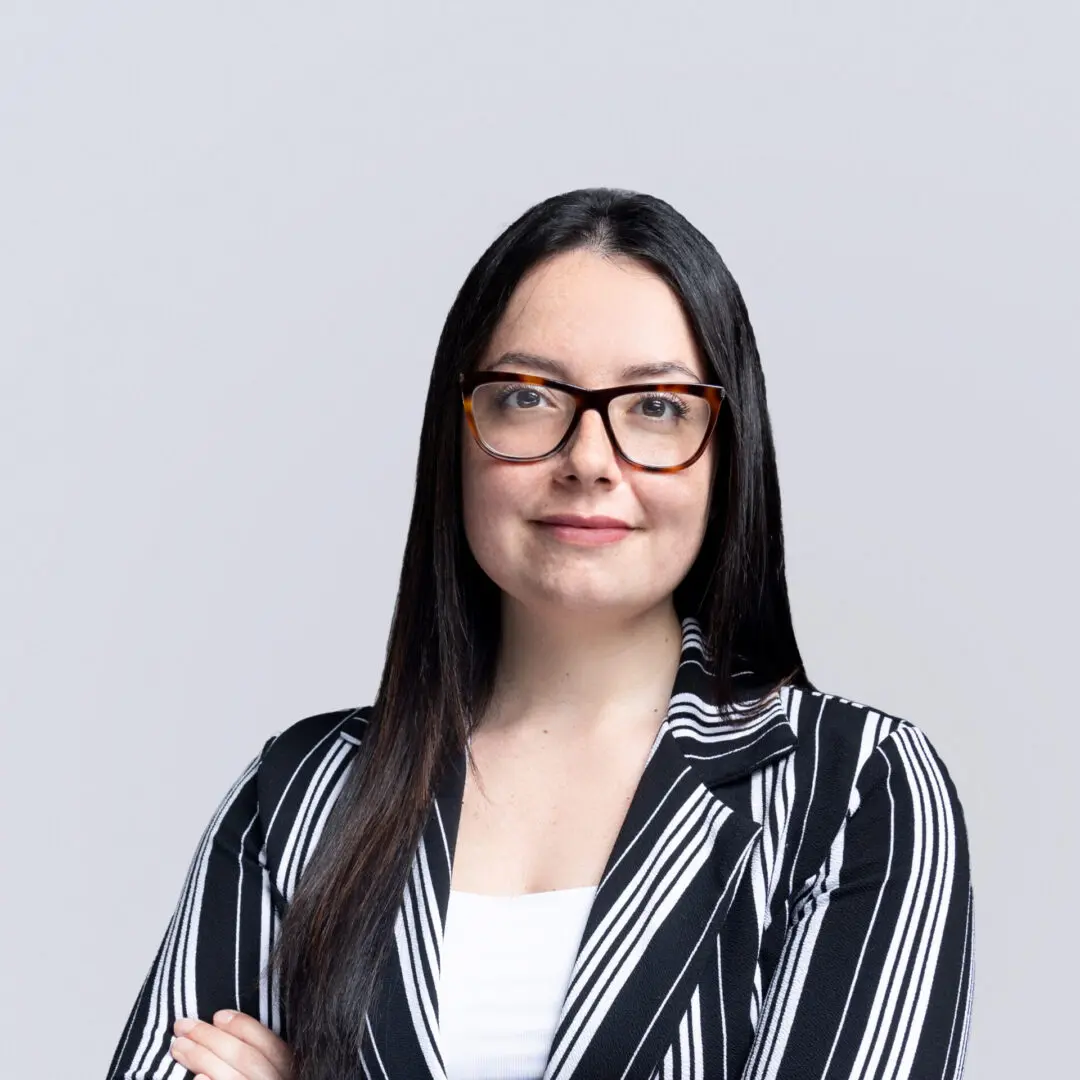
(788,897)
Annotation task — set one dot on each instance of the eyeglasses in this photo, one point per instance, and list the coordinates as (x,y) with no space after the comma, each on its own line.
(657,427)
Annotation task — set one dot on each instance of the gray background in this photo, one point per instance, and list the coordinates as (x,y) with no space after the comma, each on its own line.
(225,228)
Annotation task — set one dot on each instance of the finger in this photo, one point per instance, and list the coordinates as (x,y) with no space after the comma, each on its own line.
(202,1061)
(259,1036)
(229,1056)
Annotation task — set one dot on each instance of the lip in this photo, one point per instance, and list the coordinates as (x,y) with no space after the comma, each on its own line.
(596,531)
(576,521)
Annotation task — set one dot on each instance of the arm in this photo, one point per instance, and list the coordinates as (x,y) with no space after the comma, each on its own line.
(216,944)
(874,979)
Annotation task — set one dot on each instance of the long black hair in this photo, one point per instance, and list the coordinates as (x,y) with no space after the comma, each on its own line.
(440,660)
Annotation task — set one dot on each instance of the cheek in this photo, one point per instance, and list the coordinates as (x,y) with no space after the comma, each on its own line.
(475,497)
(677,503)
(493,496)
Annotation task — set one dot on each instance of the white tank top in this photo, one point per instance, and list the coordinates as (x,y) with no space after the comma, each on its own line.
(505,968)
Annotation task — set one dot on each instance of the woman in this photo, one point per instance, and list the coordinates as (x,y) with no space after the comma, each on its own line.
(598,823)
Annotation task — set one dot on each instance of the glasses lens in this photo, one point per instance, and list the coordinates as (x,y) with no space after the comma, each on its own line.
(659,427)
(519,419)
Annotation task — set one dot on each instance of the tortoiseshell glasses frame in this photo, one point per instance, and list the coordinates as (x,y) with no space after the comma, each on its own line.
(591,399)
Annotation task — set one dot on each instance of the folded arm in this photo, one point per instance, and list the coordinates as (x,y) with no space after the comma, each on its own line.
(216,945)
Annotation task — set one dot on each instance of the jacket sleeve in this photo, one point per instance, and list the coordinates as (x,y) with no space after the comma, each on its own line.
(216,945)
(875,976)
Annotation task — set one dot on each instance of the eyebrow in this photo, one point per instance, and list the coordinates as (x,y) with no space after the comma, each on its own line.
(558,370)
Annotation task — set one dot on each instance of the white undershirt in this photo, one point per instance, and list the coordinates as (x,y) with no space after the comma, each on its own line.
(505,967)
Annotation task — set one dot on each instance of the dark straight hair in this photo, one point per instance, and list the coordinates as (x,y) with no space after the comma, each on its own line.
(440,660)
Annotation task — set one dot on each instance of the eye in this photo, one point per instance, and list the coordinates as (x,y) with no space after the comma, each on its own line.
(520,396)
(663,406)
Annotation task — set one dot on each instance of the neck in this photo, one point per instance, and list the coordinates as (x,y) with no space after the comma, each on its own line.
(561,670)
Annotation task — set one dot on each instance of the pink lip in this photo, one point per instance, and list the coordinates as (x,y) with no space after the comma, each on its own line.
(585,531)
(579,522)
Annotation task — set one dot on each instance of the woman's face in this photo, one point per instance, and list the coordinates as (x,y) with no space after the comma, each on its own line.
(591,317)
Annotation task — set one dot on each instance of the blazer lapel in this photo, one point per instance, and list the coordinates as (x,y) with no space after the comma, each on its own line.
(402,1034)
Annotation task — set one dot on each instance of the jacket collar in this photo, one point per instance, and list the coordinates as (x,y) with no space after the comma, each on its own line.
(731,741)
(676,863)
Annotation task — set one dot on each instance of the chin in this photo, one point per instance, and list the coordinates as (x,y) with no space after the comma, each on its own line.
(583,596)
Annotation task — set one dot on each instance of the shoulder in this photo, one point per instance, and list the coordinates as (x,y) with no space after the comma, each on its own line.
(864,781)
(308,734)
(309,756)
(862,747)
(832,724)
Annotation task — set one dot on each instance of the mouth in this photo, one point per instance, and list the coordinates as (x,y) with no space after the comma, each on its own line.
(584,531)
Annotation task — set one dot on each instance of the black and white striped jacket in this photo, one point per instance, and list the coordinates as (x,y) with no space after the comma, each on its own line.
(788,898)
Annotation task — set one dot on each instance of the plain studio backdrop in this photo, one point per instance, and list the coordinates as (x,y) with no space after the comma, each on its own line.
(230,234)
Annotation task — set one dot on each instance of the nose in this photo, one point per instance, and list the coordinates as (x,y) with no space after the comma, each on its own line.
(589,456)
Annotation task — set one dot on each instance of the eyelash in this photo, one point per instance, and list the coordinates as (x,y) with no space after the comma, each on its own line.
(680,406)
(506,392)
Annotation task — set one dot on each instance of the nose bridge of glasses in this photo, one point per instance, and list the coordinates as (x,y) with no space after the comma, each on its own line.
(598,421)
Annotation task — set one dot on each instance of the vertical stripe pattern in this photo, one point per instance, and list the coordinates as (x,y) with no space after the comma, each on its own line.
(789,897)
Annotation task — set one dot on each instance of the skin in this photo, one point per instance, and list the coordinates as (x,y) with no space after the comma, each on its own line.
(590,640)
(594,316)
(234,1047)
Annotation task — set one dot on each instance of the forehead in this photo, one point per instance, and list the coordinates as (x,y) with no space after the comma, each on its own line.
(599,319)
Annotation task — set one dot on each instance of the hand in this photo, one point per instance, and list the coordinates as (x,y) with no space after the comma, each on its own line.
(234,1047)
